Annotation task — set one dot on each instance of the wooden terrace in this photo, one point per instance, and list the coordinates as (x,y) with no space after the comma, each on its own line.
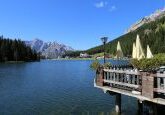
(145,86)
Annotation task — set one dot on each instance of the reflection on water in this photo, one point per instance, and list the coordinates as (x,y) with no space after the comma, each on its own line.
(55,88)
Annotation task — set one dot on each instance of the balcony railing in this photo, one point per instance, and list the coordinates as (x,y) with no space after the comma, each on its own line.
(160,83)
(131,80)
(122,78)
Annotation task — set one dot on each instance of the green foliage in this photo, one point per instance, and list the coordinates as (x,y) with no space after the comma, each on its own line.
(72,53)
(107,65)
(95,65)
(98,55)
(16,50)
(135,63)
(149,64)
(152,33)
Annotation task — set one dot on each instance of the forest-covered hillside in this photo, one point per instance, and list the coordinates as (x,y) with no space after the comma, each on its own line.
(152,33)
(16,50)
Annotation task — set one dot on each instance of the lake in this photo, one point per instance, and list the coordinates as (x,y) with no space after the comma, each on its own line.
(53,87)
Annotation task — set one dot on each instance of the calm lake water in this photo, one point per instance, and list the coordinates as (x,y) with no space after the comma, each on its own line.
(54,87)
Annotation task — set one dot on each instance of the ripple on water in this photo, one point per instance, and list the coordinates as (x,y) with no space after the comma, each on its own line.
(54,88)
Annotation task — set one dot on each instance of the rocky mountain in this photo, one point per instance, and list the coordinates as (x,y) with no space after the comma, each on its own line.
(154,16)
(151,33)
(48,49)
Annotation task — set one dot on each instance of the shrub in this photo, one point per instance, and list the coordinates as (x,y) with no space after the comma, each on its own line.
(107,65)
(95,65)
(149,64)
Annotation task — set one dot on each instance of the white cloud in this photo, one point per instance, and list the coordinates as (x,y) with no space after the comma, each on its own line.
(112,8)
(100,4)
(105,4)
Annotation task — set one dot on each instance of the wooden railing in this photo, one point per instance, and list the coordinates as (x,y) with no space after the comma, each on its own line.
(122,78)
(160,81)
(132,80)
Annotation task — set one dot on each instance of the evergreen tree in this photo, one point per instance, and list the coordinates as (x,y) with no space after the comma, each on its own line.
(16,50)
(152,33)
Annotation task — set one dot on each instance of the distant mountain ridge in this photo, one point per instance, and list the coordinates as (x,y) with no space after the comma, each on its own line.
(151,33)
(154,16)
(48,49)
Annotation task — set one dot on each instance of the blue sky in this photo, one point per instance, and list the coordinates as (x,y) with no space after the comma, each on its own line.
(77,23)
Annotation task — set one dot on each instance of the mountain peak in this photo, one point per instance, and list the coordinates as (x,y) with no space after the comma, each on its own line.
(156,15)
(48,49)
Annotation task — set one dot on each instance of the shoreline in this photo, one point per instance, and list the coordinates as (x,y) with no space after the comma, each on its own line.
(73,59)
(14,62)
(85,59)
(10,62)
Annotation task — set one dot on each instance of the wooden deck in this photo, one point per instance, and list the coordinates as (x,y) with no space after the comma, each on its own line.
(129,81)
(128,93)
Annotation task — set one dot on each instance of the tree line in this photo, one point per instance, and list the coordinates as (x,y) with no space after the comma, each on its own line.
(16,50)
(152,33)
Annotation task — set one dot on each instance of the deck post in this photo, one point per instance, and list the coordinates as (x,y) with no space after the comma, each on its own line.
(155,109)
(114,76)
(163,83)
(138,77)
(128,78)
(133,79)
(140,107)
(118,103)
(111,75)
(150,108)
(158,82)
(125,78)
(117,77)
(107,75)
